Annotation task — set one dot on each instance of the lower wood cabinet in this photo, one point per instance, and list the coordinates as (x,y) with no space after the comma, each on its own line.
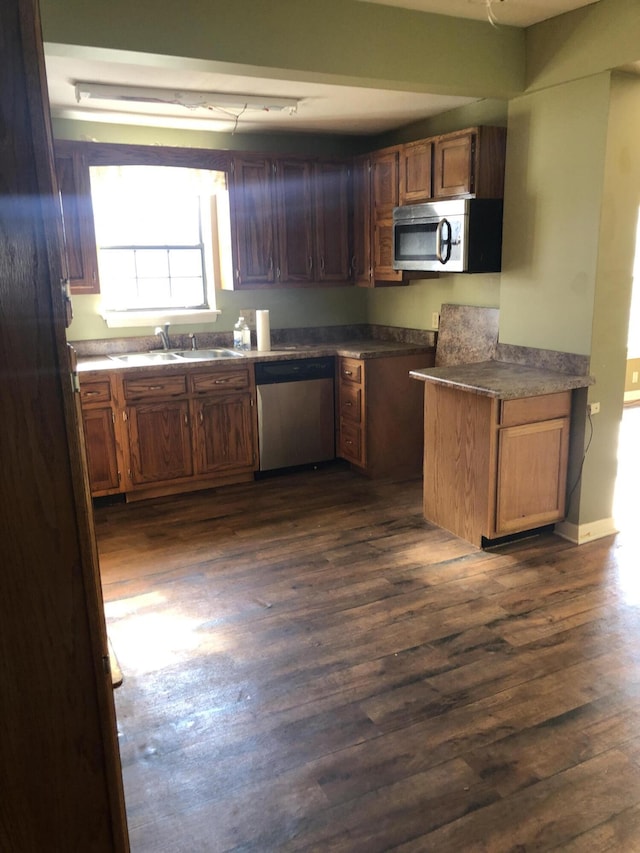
(101,446)
(159,441)
(380,428)
(494,467)
(166,432)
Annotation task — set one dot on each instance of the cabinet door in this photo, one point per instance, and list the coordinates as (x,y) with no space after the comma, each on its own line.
(532,470)
(384,197)
(159,441)
(224,433)
(385,181)
(252,210)
(453,165)
(416,172)
(100,443)
(332,183)
(72,171)
(295,220)
(361,267)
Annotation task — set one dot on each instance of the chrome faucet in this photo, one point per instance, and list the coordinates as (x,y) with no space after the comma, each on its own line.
(194,342)
(164,335)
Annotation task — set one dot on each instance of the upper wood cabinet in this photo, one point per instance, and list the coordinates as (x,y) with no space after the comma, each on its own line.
(470,162)
(253,221)
(294,218)
(361,266)
(416,161)
(290,221)
(72,172)
(385,195)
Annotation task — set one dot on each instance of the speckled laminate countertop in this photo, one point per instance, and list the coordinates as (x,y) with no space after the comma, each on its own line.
(504,380)
(365,349)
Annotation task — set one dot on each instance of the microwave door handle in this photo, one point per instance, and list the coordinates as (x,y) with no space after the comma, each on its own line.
(447,241)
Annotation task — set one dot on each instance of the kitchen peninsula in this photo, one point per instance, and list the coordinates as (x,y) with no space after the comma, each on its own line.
(496,442)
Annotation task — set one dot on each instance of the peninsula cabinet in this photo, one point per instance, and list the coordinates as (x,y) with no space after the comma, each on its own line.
(290,221)
(380,419)
(494,467)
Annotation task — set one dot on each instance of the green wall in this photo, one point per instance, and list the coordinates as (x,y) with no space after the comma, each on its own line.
(614,282)
(333,40)
(553,193)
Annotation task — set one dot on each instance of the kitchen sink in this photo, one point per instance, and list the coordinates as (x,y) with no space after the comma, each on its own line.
(141,358)
(206,354)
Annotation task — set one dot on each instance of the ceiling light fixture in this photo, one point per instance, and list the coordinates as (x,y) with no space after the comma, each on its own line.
(190,100)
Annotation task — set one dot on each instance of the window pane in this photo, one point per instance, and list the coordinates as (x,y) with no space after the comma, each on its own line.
(185,262)
(152,263)
(187,292)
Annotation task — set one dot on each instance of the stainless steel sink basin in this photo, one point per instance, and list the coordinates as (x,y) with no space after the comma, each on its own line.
(141,358)
(206,354)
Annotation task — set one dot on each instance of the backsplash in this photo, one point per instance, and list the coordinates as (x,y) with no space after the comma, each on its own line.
(279,337)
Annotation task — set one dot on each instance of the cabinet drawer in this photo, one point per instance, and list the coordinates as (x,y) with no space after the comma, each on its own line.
(95,392)
(154,386)
(527,410)
(351,402)
(351,443)
(219,380)
(351,370)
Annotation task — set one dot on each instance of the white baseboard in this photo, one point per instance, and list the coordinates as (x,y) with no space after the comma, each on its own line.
(581,533)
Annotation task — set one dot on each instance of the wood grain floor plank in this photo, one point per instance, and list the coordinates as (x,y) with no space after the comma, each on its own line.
(308,666)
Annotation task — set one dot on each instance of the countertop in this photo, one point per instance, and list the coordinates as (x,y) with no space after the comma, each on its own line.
(364,349)
(504,380)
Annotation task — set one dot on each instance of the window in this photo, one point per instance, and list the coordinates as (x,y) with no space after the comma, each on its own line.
(155,237)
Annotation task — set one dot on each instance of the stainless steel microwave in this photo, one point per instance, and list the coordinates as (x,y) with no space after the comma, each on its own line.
(460,235)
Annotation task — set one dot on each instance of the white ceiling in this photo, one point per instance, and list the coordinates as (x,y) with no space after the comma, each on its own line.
(322,108)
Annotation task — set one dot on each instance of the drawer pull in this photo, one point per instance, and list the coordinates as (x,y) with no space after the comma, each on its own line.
(348,441)
(348,403)
(92,393)
(155,387)
(348,372)
(221,381)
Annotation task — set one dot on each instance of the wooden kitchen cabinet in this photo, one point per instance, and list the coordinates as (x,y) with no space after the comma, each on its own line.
(470,163)
(416,171)
(385,195)
(290,221)
(361,262)
(101,445)
(156,432)
(72,172)
(159,441)
(224,418)
(380,429)
(492,467)
(253,221)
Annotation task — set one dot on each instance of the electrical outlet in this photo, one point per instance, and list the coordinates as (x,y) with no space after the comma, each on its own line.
(634,377)
(249,315)
(594,408)
(435,320)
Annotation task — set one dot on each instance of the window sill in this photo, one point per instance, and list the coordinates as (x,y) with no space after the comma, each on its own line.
(135,319)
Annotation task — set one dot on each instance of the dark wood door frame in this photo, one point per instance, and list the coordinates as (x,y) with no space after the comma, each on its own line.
(59,765)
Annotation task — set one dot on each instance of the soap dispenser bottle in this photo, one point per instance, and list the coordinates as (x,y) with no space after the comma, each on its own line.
(241,335)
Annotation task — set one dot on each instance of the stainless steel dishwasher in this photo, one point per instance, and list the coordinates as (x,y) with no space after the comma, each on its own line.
(296,422)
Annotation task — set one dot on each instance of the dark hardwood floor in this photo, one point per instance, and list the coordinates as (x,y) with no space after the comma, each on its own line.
(309,665)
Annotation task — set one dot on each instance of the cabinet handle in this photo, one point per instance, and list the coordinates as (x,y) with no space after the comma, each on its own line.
(348,403)
(348,372)
(310,261)
(221,381)
(201,418)
(91,394)
(155,387)
(321,264)
(186,419)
